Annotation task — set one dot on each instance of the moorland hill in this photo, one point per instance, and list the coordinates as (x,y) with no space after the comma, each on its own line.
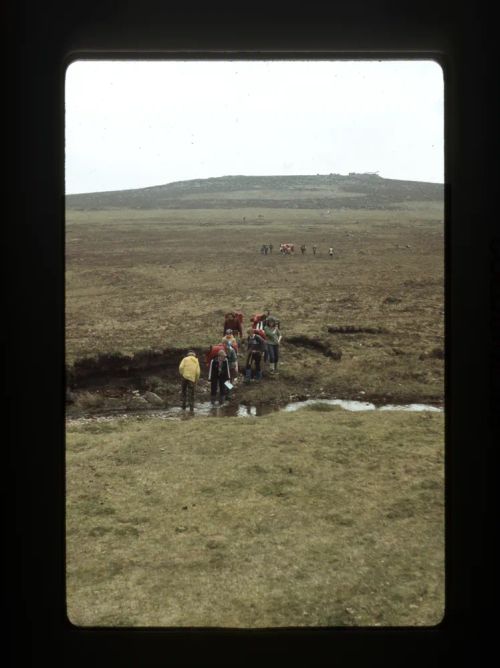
(330,191)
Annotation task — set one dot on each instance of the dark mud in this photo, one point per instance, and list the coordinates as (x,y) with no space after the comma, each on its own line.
(118,369)
(352,329)
(315,344)
(111,384)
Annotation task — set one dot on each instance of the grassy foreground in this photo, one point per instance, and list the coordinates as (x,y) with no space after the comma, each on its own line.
(316,518)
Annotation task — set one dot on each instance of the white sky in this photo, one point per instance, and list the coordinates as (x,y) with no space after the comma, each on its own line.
(134,124)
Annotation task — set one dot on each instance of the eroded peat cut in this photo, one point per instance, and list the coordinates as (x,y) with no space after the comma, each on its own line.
(315,344)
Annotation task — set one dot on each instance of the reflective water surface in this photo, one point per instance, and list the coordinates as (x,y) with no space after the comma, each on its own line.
(235,409)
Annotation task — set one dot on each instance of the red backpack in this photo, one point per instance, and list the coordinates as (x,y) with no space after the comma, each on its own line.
(260,332)
(212,352)
(231,318)
(257,320)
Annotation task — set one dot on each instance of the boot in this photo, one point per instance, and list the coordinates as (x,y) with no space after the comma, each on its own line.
(248,375)
(258,375)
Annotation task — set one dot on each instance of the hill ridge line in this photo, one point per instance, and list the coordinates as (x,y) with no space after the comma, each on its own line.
(355,190)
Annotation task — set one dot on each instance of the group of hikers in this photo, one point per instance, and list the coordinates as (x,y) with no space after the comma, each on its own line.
(289,249)
(262,343)
(303,249)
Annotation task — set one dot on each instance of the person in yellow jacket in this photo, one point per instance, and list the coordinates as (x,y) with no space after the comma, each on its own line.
(189,368)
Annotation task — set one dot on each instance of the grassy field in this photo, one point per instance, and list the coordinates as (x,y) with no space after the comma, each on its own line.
(157,279)
(320,517)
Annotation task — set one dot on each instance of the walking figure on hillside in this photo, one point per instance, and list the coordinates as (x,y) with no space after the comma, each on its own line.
(303,249)
(330,252)
(218,375)
(228,336)
(273,338)
(314,249)
(271,248)
(232,359)
(189,368)
(256,345)
(233,320)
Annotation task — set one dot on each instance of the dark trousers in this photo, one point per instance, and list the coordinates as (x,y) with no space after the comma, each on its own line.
(273,353)
(187,388)
(254,358)
(218,383)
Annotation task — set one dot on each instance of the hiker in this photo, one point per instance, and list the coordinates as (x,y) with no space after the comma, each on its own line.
(233,320)
(232,358)
(271,316)
(228,336)
(303,249)
(257,319)
(189,368)
(330,252)
(271,248)
(256,345)
(273,339)
(314,249)
(218,375)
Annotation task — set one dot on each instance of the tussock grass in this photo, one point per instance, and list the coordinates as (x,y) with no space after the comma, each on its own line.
(322,408)
(151,279)
(321,518)
(89,400)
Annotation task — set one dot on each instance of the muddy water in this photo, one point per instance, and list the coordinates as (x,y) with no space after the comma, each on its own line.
(235,409)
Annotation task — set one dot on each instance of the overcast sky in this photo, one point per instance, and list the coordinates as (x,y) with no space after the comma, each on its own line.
(134,124)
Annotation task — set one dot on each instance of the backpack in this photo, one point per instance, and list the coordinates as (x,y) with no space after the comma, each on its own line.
(212,352)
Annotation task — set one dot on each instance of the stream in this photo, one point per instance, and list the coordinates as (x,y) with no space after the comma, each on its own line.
(236,409)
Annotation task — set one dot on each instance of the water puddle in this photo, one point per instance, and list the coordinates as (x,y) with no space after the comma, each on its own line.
(235,409)
(360,405)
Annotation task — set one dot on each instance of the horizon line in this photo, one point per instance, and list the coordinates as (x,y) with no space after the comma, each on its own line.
(226,176)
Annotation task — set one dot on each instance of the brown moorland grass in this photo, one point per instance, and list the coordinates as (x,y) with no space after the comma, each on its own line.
(317,518)
(160,279)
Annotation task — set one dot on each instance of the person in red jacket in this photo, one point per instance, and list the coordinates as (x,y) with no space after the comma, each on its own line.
(234,321)
(258,319)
